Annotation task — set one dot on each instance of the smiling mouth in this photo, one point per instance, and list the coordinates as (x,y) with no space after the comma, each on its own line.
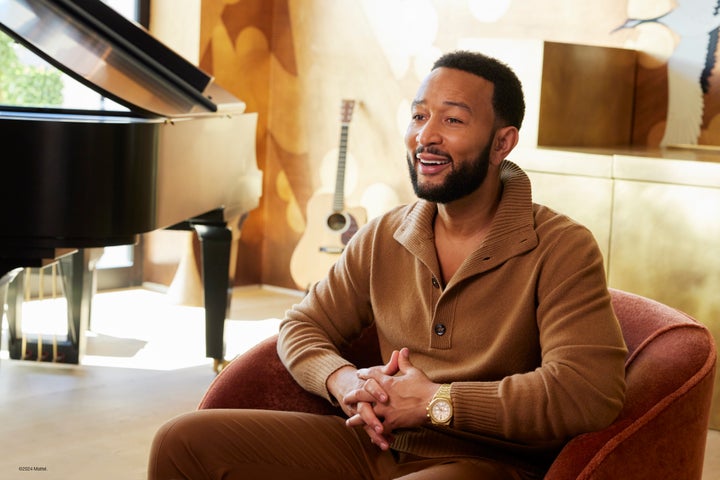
(431,156)
(431,162)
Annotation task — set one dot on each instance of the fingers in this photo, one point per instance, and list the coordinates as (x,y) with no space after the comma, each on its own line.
(392,367)
(372,387)
(382,441)
(403,361)
(366,418)
(372,426)
(369,391)
(376,378)
(389,369)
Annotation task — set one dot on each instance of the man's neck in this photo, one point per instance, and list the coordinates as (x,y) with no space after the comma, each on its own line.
(471,215)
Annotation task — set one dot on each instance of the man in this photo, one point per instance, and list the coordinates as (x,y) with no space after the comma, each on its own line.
(492,314)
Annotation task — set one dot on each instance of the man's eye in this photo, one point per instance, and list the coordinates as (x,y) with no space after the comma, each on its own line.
(454,120)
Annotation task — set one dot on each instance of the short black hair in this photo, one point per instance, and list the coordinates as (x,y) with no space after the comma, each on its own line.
(508,100)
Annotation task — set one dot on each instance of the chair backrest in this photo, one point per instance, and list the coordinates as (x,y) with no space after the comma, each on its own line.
(662,429)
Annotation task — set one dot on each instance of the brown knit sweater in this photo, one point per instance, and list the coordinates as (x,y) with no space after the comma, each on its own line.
(531,345)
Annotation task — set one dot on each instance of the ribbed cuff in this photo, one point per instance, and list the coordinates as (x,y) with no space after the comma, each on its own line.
(476,406)
(314,378)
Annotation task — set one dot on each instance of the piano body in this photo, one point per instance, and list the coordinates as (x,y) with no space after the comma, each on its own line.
(182,156)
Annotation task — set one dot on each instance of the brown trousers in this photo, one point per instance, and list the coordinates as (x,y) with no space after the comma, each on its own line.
(269,445)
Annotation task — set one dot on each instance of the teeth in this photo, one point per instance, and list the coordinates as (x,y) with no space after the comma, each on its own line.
(430,162)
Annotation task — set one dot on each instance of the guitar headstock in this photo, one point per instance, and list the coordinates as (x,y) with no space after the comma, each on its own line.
(346,111)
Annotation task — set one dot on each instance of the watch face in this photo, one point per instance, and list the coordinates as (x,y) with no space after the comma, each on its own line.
(441,411)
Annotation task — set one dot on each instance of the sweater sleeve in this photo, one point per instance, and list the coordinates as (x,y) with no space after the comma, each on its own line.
(580,383)
(334,312)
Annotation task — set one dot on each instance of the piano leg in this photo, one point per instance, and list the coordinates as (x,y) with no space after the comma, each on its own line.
(79,282)
(215,243)
(8,275)
(14,315)
(216,247)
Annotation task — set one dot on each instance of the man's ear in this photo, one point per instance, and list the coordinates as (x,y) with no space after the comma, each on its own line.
(506,138)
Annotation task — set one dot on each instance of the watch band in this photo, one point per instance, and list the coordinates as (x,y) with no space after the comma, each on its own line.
(443,392)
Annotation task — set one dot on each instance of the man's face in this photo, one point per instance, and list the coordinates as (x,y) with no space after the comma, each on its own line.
(450,135)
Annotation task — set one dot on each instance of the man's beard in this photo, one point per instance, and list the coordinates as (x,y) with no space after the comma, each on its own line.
(460,182)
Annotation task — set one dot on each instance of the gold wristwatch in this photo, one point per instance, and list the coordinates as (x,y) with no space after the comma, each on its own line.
(440,408)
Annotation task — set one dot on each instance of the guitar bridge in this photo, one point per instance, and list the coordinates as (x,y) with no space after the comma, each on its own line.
(336,250)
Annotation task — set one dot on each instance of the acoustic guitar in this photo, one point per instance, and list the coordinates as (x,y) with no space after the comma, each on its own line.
(329,224)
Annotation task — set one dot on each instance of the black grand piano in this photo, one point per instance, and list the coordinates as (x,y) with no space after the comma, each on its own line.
(182,155)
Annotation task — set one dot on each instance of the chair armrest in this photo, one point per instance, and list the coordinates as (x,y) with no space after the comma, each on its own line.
(258,379)
(662,430)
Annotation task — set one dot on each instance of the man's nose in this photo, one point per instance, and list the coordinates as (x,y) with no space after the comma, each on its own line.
(428,134)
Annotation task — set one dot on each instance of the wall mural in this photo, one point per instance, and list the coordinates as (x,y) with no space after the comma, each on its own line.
(293,61)
(685,38)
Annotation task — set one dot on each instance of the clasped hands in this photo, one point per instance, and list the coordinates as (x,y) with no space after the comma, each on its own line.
(383,398)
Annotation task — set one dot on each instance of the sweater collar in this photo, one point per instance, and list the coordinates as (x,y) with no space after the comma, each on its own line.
(511,233)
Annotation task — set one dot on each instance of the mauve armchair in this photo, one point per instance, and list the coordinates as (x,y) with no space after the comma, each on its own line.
(660,433)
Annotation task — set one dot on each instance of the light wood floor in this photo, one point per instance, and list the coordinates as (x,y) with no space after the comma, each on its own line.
(145,364)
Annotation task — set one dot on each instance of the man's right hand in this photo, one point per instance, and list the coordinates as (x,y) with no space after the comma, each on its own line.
(357,398)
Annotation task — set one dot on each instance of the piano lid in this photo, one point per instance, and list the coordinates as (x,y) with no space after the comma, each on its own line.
(114,56)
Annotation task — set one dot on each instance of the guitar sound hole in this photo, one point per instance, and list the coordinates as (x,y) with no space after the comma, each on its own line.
(336,222)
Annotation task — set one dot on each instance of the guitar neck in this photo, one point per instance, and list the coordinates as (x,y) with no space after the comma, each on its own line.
(339,197)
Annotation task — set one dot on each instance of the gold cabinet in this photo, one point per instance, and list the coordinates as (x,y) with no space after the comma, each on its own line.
(656,216)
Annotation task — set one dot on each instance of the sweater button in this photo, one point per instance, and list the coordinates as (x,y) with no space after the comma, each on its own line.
(435,283)
(440,329)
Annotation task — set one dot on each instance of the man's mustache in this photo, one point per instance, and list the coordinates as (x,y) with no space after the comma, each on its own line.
(432,151)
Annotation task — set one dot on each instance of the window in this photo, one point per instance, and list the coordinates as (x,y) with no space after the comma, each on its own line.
(28,81)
